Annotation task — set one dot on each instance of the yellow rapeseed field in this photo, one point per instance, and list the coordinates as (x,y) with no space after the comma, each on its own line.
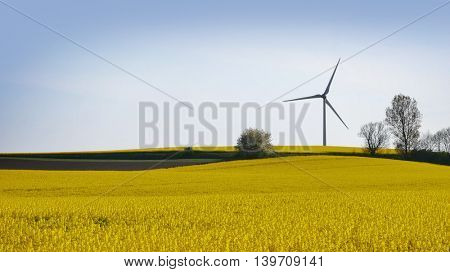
(292,149)
(309,203)
(286,148)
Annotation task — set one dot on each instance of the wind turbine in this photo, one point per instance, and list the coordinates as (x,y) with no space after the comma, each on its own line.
(325,103)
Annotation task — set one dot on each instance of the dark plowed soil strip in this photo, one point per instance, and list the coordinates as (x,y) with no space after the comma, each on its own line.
(112,165)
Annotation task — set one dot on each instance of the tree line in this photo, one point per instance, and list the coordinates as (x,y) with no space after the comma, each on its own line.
(402,123)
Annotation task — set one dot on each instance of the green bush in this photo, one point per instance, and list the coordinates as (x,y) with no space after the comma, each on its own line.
(254,142)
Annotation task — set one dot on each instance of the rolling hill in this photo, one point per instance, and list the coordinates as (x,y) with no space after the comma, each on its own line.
(295,203)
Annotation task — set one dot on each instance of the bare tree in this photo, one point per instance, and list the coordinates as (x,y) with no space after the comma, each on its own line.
(375,136)
(404,120)
(427,142)
(437,139)
(446,139)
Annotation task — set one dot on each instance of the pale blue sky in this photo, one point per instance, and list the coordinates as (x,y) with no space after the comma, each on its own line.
(56,97)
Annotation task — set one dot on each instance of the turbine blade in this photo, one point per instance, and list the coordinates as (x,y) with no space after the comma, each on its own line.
(331,79)
(304,98)
(329,105)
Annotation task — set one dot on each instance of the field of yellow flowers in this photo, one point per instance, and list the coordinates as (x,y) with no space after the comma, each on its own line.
(306,203)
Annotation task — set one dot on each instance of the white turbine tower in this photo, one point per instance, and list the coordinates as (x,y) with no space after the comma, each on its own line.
(325,103)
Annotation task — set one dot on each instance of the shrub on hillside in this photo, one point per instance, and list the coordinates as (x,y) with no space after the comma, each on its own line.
(254,142)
